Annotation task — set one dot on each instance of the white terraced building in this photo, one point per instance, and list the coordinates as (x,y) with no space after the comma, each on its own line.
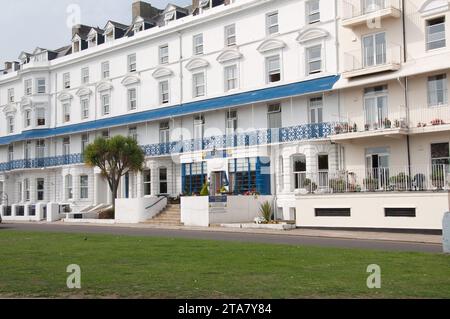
(336,111)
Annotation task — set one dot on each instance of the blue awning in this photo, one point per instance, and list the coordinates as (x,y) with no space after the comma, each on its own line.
(267,94)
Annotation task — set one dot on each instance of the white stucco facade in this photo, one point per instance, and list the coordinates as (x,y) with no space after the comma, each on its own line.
(315,98)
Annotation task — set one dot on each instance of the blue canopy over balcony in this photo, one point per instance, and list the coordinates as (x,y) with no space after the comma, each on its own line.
(223,102)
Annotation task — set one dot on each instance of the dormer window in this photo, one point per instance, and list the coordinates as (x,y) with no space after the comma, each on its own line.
(205,4)
(170,16)
(138,27)
(109,35)
(76,46)
(40,57)
(92,41)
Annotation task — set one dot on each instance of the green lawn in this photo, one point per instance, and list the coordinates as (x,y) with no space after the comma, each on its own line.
(34,265)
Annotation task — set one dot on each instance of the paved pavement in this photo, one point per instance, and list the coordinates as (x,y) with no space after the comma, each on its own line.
(300,237)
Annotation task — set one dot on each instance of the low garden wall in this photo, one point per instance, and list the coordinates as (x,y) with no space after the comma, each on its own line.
(134,210)
(198,211)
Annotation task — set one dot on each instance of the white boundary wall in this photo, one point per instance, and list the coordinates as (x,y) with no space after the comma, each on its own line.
(195,211)
(367,210)
(133,210)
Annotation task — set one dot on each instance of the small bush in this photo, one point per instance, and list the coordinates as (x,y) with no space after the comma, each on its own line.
(266,211)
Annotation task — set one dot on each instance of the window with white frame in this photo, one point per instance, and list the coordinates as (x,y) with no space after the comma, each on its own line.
(11,95)
(40,86)
(105,98)
(19,192)
(66,80)
(132,102)
(84,141)
(199,127)
(26,187)
(147,180)
(231,77)
(28,86)
(273,67)
(27,150)
(272,23)
(27,118)
(230,35)
(85,75)
(274,116)
(314,59)
(132,132)
(68,181)
(10,152)
(84,187)
(164,92)
(313,11)
(84,101)
(105,70)
(164,54)
(198,44)
(109,35)
(66,146)
(198,84)
(164,132)
(435,33)
(66,112)
(40,116)
(132,63)
(10,124)
(437,90)
(40,149)
(316,110)
(40,189)
(232,122)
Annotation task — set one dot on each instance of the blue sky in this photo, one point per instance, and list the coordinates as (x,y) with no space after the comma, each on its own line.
(27,24)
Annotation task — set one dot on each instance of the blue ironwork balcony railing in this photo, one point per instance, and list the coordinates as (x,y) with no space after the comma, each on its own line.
(42,162)
(255,138)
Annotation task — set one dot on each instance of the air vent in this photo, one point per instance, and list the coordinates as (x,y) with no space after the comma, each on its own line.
(400,212)
(333,212)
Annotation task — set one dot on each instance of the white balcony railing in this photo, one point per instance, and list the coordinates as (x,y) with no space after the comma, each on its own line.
(388,56)
(358,8)
(429,116)
(378,121)
(430,178)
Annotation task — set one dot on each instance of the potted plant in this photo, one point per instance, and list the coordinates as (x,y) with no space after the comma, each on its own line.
(337,129)
(437,122)
(387,123)
(437,178)
(309,185)
(370,184)
(338,185)
(401,182)
(355,128)
(367,127)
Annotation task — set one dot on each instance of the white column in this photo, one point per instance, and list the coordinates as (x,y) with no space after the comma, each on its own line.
(139,190)
(96,189)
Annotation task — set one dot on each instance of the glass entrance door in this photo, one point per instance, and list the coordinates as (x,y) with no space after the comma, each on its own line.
(377,175)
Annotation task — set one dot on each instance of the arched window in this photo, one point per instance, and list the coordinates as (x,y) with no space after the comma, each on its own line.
(299,170)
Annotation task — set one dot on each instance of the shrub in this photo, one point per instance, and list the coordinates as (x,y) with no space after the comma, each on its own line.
(266,211)
(205,190)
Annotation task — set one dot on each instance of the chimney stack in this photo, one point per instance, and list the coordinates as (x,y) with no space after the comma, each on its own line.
(143,9)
